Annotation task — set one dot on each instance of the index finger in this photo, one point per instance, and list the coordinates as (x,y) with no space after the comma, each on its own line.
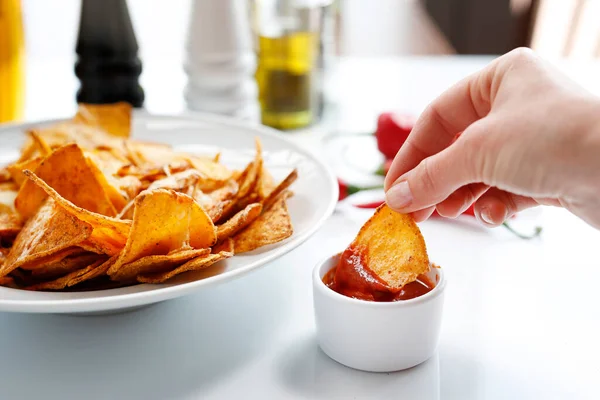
(452,112)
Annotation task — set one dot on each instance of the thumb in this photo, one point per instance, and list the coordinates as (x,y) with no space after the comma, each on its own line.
(434,178)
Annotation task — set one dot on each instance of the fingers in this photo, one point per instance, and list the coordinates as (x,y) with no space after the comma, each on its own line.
(461,199)
(436,128)
(496,206)
(422,215)
(435,178)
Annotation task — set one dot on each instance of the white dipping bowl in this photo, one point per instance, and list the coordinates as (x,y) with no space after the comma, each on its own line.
(377,336)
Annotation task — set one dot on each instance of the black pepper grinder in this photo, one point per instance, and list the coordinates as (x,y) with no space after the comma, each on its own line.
(107,66)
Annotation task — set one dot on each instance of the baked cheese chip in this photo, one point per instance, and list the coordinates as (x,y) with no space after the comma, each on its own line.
(165,221)
(275,192)
(156,264)
(274,225)
(87,206)
(10,223)
(49,231)
(16,169)
(225,250)
(67,265)
(239,221)
(112,118)
(66,171)
(108,233)
(394,247)
(90,272)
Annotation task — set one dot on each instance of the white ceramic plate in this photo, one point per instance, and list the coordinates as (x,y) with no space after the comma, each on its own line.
(315,195)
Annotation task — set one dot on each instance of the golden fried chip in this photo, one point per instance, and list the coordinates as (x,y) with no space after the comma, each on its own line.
(217,201)
(178,181)
(211,170)
(252,173)
(109,232)
(66,265)
(223,251)
(94,270)
(66,171)
(112,118)
(109,185)
(8,281)
(151,154)
(10,222)
(165,221)
(43,147)
(266,184)
(273,226)
(49,231)
(239,221)
(93,273)
(395,249)
(5,175)
(156,264)
(268,201)
(41,262)
(16,170)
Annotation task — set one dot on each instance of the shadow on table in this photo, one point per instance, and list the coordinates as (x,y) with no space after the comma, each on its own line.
(181,348)
(305,370)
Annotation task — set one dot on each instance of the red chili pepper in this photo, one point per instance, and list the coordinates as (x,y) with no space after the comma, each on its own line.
(373,204)
(346,190)
(392,131)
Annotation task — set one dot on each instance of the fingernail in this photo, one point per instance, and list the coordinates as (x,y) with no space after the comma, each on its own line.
(486,216)
(399,196)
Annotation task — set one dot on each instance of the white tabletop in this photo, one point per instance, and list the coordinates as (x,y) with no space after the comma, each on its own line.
(522,318)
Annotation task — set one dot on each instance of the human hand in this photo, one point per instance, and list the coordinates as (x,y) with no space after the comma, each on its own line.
(528,136)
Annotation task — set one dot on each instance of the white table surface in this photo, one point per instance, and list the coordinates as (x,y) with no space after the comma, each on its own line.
(522,318)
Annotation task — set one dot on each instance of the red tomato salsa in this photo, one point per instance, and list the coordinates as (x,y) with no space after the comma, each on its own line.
(352,278)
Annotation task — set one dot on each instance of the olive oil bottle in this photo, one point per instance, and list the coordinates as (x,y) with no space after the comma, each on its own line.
(286,78)
(287,45)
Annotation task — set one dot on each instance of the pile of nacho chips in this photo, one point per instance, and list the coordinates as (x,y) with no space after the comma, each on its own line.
(85,207)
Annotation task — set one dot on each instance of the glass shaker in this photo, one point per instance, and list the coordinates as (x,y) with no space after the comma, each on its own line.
(288,44)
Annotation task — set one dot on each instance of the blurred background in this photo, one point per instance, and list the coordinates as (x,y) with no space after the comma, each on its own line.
(38,40)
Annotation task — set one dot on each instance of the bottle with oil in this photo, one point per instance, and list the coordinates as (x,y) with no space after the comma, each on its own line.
(12,61)
(288,50)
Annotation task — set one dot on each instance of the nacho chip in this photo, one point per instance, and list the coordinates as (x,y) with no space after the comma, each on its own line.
(67,172)
(156,264)
(49,231)
(178,181)
(10,222)
(217,201)
(165,221)
(109,184)
(43,147)
(5,175)
(112,118)
(266,184)
(66,265)
(109,232)
(41,262)
(273,226)
(8,281)
(92,271)
(250,176)
(239,221)
(395,248)
(217,173)
(272,196)
(16,170)
(224,251)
